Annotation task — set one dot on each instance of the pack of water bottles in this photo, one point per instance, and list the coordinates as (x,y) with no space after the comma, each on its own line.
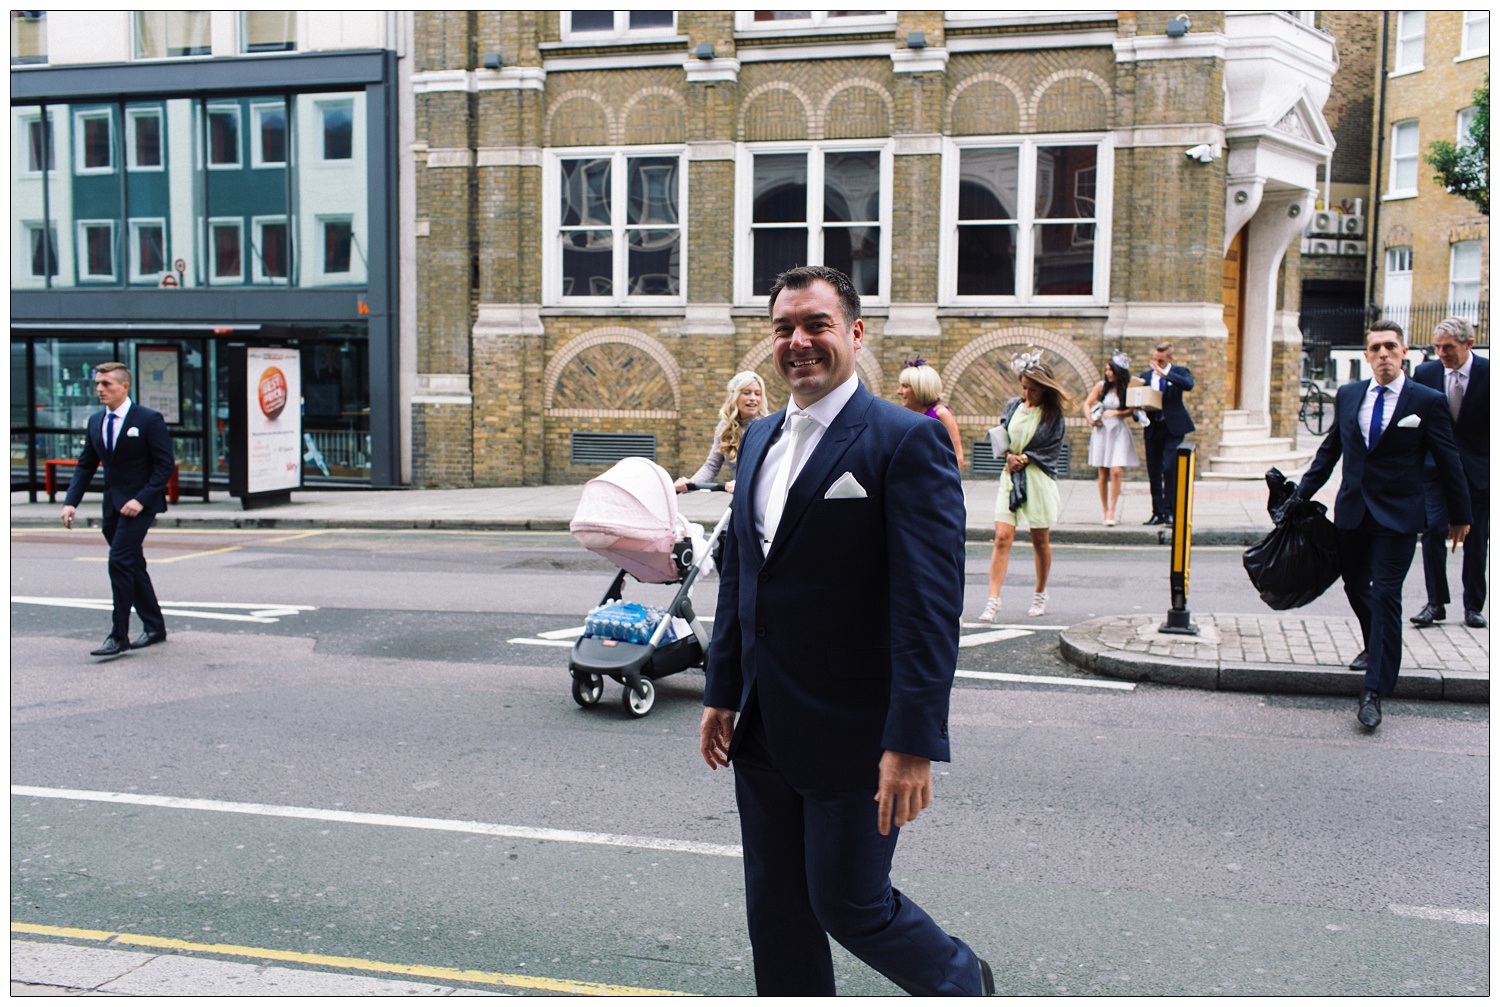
(627,622)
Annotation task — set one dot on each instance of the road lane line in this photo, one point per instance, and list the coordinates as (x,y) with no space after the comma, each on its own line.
(196,555)
(339,961)
(980,639)
(1084,683)
(260,612)
(1473,917)
(300,534)
(541,643)
(1030,627)
(562,634)
(394,821)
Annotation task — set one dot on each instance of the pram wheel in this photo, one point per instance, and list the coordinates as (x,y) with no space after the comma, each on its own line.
(636,704)
(588,690)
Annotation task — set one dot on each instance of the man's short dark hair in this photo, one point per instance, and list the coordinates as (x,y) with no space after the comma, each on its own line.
(120,371)
(1385,325)
(1164,347)
(802,277)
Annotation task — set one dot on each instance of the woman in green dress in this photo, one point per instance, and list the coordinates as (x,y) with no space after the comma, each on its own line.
(1028,494)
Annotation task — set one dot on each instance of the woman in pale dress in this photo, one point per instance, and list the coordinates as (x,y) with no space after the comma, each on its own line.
(744,404)
(1028,495)
(1111,449)
(920,387)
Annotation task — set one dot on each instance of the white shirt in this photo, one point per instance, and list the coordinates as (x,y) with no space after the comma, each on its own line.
(824,412)
(119,415)
(1367,405)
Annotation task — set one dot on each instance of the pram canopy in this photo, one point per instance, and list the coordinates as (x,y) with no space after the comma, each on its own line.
(629,516)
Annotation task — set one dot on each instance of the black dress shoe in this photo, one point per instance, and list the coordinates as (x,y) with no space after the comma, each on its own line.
(1430,614)
(147,639)
(986,978)
(1474,619)
(110,648)
(1361,663)
(1369,708)
(1153,519)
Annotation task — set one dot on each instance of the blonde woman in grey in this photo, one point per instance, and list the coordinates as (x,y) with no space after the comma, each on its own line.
(744,404)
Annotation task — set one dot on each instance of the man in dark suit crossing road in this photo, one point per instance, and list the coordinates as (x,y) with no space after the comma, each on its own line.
(835,643)
(133,443)
(1384,428)
(1464,380)
(1169,425)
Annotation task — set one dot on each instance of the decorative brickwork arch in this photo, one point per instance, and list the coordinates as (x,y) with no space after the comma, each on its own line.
(608,371)
(777,111)
(579,118)
(986,103)
(1073,100)
(979,379)
(865,365)
(654,115)
(1398,236)
(856,107)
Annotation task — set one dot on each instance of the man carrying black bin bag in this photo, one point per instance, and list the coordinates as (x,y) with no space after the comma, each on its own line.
(1384,429)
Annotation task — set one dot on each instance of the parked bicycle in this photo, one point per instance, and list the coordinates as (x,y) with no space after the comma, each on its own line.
(1316,408)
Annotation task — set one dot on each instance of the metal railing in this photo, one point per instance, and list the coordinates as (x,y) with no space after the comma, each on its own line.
(1323,328)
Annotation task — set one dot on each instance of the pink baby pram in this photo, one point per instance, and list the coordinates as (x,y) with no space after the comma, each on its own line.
(629,516)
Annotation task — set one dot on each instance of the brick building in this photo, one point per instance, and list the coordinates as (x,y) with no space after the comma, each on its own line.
(602,197)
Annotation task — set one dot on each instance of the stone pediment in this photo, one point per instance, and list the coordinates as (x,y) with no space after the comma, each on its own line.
(1301,123)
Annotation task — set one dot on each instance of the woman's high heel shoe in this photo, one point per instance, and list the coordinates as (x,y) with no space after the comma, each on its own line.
(1038,604)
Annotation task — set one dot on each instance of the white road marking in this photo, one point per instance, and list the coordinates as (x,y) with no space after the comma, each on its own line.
(1474,917)
(393,821)
(1084,683)
(562,634)
(979,639)
(528,641)
(260,612)
(1030,627)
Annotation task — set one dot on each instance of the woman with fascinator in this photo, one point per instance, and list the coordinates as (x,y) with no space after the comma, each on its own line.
(920,389)
(1028,489)
(1110,448)
(744,404)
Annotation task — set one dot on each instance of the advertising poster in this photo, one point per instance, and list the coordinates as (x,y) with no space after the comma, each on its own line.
(273,419)
(158,377)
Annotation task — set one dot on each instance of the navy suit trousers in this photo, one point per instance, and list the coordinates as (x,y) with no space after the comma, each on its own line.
(1476,551)
(1374,561)
(816,866)
(1161,465)
(130,583)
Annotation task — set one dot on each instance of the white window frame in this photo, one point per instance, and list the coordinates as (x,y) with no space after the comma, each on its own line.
(257,237)
(1465,120)
(132,251)
(135,37)
(819,21)
(1474,19)
(324,107)
(131,115)
(552,257)
(1396,158)
(208,138)
(1398,262)
(31,227)
(210,257)
(322,257)
(1411,26)
(26,121)
(1026,219)
(242,39)
(744,245)
(621,31)
(83,227)
(257,153)
(80,144)
(1457,305)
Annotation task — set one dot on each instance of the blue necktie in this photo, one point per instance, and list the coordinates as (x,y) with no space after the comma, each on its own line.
(1377,418)
(109,436)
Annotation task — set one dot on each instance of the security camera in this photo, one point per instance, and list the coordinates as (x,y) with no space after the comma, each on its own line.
(1204,152)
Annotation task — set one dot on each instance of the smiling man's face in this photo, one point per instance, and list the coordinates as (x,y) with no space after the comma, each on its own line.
(813,345)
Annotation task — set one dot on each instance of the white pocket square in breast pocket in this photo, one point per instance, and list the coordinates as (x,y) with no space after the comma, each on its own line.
(846,488)
(133,432)
(1410,421)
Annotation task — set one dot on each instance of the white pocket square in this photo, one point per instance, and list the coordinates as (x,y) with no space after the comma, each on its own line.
(1410,421)
(133,432)
(846,488)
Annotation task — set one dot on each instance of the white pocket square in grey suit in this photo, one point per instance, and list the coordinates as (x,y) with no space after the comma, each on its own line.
(846,488)
(1410,421)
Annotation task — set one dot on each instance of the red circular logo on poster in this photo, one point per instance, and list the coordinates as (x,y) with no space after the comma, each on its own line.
(272,392)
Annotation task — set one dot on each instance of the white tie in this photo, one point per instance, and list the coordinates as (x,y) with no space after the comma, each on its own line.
(1455,394)
(776,502)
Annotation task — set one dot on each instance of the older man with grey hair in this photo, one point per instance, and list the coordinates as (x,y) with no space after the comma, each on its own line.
(1463,378)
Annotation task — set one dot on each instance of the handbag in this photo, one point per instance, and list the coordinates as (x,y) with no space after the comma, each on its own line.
(1096,414)
(999,441)
(1017,490)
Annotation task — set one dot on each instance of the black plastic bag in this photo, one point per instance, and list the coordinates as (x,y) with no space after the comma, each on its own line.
(1299,559)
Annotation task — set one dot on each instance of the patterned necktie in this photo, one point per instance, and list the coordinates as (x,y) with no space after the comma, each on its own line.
(1377,418)
(776,503)
(1455,394)
(109,436)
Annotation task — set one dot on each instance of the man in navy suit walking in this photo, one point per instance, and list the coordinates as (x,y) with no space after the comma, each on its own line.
(136,449)
(1168,427)
(841,589)
(1464,380)
(1384,429)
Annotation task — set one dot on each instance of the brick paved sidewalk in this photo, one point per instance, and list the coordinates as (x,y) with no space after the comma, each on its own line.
(1279,653)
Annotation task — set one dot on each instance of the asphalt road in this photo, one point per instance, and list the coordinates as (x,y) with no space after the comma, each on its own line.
(1086,839)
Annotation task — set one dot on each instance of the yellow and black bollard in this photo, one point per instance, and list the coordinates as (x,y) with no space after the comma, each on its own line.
(1179,619)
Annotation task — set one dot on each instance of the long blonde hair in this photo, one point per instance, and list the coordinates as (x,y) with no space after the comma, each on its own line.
(730,429)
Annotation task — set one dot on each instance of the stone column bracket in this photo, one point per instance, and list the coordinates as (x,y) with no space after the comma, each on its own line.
(913,321)
(919,60)
(707,320)
(711,71)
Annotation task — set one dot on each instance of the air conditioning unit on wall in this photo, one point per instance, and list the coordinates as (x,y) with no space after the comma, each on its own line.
(1352,225)
(1323,246)
(1353,247)
(1324,222)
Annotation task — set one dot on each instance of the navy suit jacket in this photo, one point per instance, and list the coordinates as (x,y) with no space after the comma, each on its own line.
(847,630)
(1387,482)
(141,466)
(1472,430)
(1174,415)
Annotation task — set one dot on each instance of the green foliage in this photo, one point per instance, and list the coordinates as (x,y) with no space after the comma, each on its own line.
(1465,170)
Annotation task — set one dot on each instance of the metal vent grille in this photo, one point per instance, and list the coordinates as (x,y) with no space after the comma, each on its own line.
(606,449)
(984,463)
